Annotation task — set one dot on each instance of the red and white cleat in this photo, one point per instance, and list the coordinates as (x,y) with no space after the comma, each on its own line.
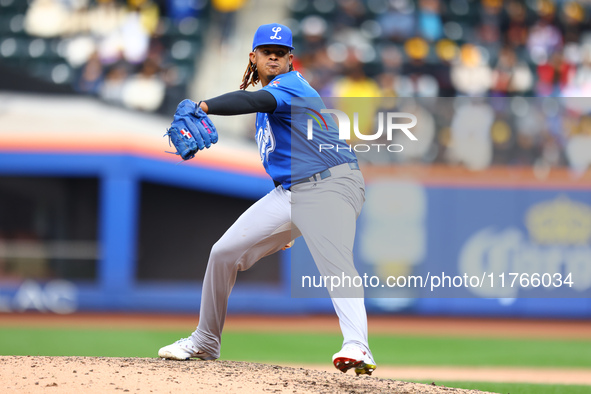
(352,356)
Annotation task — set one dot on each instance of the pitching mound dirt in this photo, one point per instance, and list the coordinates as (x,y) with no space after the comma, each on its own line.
(27,374)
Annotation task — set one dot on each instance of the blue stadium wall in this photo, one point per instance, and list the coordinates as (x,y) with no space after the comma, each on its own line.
(474,211)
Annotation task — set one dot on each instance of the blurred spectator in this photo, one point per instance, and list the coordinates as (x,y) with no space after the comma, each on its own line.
(554,75)
(391,59)
(422,149)
(105,17)
(355,83)
(46,18)
(527,150)
(321,70)
(510,76)
(145,90)
(349,14)
(551,156)
(544,40)
(387,84)
(181,9)
(313,30)
(225,16)
(516,29)
(398,22)
(149,14)
(572,18)
(447,52)
(135,39)
(112,88)
(502,137)
(530,125)
(470,74)
(317,64)
(413,72)
(91,76)
(79,49)
(578,147)
(580,85)
(430,25)
(490,22)
(471,142)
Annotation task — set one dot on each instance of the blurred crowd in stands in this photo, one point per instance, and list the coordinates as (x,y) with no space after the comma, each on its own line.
(461,48)
(135,53)
(431,48)
(142,54)
(479,132)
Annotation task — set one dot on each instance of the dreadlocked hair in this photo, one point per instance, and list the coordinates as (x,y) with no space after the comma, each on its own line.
(251,75)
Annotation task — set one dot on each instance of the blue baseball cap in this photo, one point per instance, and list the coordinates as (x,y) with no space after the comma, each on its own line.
(272,34)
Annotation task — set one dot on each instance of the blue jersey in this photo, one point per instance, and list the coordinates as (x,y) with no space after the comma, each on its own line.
(282,136)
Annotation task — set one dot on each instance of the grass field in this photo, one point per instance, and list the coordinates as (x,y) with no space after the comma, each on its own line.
(516,388)
(317,348)
(303,347)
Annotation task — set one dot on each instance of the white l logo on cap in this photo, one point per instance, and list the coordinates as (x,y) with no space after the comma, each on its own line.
(276,30)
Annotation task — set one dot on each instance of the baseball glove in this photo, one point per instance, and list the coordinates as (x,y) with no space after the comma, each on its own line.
(191,130)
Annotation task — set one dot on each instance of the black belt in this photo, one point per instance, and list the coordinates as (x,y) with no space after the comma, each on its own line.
(318,176)
(324,174)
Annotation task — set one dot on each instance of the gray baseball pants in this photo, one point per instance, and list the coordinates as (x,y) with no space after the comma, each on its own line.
(324,212)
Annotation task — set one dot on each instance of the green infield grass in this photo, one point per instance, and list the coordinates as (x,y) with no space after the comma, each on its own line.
(515,388)
(303,347)
(412,350)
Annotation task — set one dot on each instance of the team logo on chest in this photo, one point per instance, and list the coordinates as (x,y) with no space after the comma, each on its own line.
(265,140)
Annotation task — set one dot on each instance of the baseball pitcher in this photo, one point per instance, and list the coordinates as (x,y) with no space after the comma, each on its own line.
(327,192)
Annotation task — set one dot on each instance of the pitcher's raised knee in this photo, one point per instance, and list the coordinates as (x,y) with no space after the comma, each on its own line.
(224,253)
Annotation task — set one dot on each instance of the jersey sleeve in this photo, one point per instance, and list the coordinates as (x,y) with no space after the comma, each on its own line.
(241,102)
(283,88)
